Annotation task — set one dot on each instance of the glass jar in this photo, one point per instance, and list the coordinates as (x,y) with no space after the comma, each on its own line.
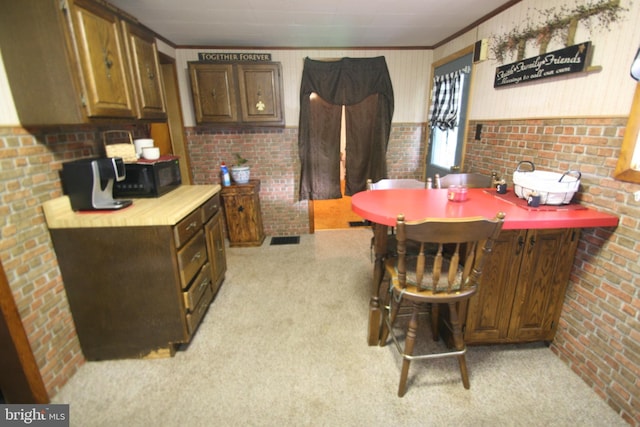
(457,193)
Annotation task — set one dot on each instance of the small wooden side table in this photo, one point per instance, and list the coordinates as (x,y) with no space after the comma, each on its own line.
(242,213)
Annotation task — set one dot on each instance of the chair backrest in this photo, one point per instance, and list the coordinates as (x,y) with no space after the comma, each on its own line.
(471,180)
(468,241)
(388,184)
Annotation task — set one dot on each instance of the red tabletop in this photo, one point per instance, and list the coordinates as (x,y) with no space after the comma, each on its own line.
(383,206)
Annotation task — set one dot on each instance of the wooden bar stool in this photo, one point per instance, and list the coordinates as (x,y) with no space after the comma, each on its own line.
(448,276)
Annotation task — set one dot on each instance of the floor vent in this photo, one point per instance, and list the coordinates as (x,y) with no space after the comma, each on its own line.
(285,240)
(358,223)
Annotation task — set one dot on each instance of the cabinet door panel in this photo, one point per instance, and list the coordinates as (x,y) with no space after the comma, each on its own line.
(548,258)
(242,213)
(260,92)
(489,310)
(215,245)
(241,218)
(145,72)
(213,87)
(102,61)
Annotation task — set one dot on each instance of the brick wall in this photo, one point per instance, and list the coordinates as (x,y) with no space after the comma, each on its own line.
(406,151)
(273,157)
(30,162)
(599,331)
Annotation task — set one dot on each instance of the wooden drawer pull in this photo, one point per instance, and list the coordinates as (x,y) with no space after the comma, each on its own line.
(202,308)
(196,257)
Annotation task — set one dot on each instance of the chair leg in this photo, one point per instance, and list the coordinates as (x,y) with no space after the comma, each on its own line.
(384,335)
(458,343)
(409,343)
(435,317)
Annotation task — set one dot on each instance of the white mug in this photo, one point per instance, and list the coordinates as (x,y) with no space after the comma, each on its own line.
(151,153)
(139,144)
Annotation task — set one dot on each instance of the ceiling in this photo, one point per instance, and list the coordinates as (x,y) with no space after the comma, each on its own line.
(309,24)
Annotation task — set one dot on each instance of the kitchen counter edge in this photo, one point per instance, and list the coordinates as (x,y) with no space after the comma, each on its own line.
(168,209)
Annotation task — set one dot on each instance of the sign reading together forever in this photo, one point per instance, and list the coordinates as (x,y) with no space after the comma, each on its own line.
(569,60)
(233,56)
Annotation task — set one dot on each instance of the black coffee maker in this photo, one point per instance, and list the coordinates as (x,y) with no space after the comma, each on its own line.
(89,183)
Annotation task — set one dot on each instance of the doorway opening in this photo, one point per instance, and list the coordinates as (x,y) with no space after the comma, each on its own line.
(335,214)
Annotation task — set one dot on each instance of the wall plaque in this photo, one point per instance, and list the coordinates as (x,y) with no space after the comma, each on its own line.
(572,59)
(225,57)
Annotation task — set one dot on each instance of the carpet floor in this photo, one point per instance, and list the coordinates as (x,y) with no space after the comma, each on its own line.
(284,344)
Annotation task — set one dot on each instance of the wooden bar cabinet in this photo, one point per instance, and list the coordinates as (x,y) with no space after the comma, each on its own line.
(242,213)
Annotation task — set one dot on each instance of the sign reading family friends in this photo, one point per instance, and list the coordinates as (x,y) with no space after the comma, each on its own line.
(569,60)
(224,57)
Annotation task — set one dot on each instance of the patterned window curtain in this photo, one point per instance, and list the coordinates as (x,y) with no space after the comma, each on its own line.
(444,102)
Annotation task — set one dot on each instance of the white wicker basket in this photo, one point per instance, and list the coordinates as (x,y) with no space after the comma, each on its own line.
(553,188)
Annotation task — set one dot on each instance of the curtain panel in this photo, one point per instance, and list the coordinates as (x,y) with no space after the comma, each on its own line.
(444,102)
(363,86)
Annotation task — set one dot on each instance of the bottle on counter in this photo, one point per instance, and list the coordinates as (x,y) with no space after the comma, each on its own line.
(226,178)
(437,182)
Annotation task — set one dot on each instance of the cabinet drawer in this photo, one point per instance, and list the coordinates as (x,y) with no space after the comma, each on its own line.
(191,258)
(194,318)
(187,227)
(210,207)
(198,287)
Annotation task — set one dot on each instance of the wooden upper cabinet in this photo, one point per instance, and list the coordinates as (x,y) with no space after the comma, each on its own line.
(145,72)
(102,57)
(71,62)
(260,92)
(213,87)
(237,93)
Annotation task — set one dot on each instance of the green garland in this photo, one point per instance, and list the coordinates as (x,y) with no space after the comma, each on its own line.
(560,24)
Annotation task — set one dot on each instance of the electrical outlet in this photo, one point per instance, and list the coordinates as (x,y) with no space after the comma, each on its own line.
(636,196)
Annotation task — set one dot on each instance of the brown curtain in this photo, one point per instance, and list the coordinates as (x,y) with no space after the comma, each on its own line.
(364,87)
(323,153)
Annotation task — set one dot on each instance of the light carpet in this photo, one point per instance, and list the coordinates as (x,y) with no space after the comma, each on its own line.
(284,343)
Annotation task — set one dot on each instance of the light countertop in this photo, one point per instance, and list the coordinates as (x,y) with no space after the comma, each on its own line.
(168,209)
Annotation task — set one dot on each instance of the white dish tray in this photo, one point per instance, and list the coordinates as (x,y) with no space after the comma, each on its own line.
(553,188)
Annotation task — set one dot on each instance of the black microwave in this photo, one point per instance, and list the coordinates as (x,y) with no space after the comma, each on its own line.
(149,178)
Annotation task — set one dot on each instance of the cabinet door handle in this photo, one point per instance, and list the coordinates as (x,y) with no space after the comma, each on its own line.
(150,73)
(520,245)
(532,242)
(196,257)
(202,308)
(108,63)
(213,93)
(192,225)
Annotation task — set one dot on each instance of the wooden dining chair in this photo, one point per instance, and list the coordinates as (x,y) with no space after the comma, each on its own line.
(448,276)
(393,184)
(471,180)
